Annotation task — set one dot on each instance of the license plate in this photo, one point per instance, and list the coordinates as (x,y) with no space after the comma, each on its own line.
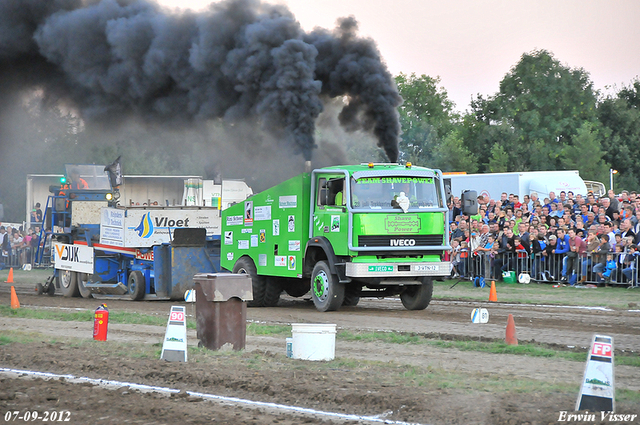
(426,268)
(380,268)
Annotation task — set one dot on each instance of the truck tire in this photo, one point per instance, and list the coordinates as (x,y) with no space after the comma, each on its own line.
(245,265)
(136,285)
(273,289)
(85,292)
(297,287)
(327,291)
(351,298)
(68,283)
(417,297)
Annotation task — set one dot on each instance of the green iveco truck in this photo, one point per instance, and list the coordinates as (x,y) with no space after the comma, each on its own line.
(343,232)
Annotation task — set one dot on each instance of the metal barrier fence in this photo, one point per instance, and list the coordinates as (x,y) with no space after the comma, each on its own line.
(619,269)
(18,257)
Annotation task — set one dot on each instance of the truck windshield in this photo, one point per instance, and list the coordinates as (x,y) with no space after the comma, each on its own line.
(92,176)
(382,192)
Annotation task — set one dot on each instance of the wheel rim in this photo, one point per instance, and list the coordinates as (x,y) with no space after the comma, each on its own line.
(321,285)
(65,279)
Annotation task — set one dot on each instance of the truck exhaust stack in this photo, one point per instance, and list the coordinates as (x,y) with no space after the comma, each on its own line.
(307,166)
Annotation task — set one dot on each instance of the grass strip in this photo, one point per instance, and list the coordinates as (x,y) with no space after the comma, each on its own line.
(260,329)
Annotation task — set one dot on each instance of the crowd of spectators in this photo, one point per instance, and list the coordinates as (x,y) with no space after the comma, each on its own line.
(18,246)
(569,238)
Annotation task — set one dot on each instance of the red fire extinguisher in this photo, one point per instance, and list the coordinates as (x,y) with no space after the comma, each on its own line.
(100,323)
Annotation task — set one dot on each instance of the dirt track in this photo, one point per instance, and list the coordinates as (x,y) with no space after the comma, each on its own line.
(341,390)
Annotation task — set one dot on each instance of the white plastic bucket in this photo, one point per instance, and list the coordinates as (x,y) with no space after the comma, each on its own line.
(313,341)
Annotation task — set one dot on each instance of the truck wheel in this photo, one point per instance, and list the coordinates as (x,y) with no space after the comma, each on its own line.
(136,285)
(327,292)
(273,289)
(351,298)
(297,287)
(245,265)
(417,297)
(85,292)
(68,283)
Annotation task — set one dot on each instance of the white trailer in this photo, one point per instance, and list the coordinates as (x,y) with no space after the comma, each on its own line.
(522,183)
(139,190)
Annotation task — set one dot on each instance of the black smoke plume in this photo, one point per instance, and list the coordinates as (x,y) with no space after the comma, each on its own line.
(240,59)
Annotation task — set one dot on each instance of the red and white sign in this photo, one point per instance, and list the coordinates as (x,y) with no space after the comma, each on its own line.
(144,255)
(601,349)
(177,316)
(174,347)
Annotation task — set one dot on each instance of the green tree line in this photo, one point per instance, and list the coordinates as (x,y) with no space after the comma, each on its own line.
(546,116)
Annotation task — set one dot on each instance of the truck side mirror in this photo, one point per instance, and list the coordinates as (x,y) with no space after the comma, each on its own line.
(447,190)
(469,200)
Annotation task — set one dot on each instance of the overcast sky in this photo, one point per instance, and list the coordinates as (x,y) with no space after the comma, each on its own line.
(472,44)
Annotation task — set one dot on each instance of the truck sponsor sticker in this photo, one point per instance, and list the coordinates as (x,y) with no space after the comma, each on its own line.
(228,238)
(380,268)
(254,241)
(234,220)
(378,180)
(112,235)
(289,201)
(276,227)
(291,262)
(291,224)
(145,228)
(335,223)
(262,260)
(248,213)
(263,236)
(112,217)
(244,244)
(269,200)
(262,213)
(406,223)
(77,258)
(249,230)
(280,261)
(147,255)
(230,256)
(294,245)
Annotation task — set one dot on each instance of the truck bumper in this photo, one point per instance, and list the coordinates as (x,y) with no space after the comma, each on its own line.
(396,270)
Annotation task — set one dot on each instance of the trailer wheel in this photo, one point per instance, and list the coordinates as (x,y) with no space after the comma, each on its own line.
(68,283)
(327,292)
(245,265)
(417,297)
(136,285)
(85,292)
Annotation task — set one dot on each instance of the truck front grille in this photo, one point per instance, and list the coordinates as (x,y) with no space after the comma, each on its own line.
(400,241)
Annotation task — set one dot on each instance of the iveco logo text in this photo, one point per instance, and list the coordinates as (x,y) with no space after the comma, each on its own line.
(402,242)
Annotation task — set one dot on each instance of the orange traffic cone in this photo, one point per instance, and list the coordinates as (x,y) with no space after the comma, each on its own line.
(14,298)
(10,278)
(511,338)
(493,295)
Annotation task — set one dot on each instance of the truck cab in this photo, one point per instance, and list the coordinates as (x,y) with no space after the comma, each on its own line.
(344,232)
(385,224)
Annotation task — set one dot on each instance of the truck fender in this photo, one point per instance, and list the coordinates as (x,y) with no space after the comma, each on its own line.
(336,266)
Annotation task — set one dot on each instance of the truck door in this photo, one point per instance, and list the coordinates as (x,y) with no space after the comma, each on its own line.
(330,217)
